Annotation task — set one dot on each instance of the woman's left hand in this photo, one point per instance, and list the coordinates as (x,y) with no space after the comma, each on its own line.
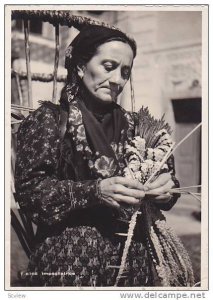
(158,190)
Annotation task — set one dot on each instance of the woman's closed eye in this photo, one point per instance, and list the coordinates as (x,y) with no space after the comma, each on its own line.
(109,66)
(125,71)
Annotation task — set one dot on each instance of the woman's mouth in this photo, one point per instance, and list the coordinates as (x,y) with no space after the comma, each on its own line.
(113,92)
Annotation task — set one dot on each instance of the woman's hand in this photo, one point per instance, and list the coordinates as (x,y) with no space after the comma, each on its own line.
(117,190)
(158,190)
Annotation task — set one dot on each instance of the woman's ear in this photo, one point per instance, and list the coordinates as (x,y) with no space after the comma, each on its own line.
(80,70)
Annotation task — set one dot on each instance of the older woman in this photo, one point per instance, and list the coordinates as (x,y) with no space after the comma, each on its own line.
(69,171)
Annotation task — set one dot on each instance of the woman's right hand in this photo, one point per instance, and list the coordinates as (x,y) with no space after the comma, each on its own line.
(118,190)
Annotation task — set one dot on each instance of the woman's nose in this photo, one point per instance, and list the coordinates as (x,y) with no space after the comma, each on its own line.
(116,78)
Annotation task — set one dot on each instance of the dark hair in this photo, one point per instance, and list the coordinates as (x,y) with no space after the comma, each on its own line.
(92,50)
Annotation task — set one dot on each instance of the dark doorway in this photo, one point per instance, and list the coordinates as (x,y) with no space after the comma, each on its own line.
(187,113)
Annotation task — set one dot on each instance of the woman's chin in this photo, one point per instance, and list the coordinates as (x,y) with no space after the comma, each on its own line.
(107,98)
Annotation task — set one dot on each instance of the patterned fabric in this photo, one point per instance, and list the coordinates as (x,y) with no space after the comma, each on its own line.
(39,191)
(56,184)
(81,256)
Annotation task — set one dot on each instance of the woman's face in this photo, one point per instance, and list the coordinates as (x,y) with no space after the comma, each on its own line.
(108,70)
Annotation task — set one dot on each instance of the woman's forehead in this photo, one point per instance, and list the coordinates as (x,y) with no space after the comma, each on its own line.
(115,50)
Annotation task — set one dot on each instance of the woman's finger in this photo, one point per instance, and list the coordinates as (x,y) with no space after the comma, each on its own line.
(128,182)
(126,199)
(163,198)
(109,201)
(162,189)
(120,189)
(160,181)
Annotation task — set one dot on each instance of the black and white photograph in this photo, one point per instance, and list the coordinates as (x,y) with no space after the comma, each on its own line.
(107,160)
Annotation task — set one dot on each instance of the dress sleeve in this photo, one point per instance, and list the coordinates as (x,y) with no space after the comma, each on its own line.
(38,190)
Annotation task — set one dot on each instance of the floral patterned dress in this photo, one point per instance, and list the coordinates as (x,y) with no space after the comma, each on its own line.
(56,185)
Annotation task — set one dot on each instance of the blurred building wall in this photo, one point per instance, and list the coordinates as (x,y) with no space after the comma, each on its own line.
(169,56)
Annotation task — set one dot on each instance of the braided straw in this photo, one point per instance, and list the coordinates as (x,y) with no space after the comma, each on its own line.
(174,268)
(58,17)
(127,245)
(170,259)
